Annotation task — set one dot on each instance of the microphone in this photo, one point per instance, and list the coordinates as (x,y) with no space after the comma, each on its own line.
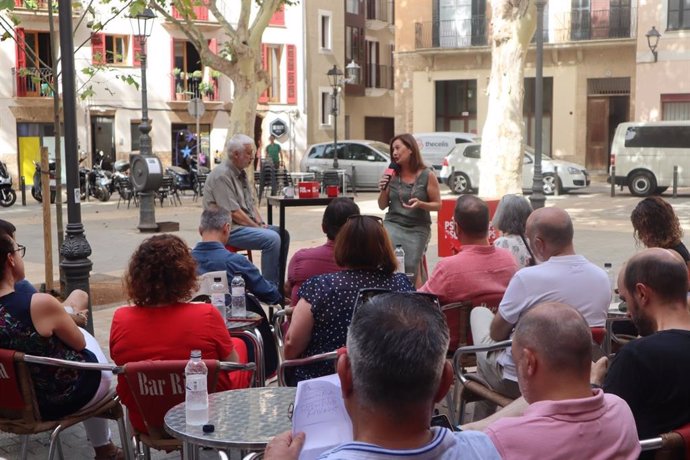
(390,171)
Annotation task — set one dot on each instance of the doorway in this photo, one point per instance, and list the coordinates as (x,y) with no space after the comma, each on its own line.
(184,145)
(608,105)
(103,139)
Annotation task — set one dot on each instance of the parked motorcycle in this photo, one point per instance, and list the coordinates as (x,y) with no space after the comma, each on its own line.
(7,195)
(95,182)
(36,188)
(186,179)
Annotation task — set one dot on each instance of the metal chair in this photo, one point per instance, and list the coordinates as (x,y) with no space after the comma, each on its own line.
(126,192)
(674,445)
(166,190)
(151,402)
(200,182)
(19,411)
(279,328)
(292,363)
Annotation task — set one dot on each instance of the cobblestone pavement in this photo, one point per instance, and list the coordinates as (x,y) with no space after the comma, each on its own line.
(602,233)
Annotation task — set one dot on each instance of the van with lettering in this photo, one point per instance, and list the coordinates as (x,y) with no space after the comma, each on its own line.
(435,146)
(644,154)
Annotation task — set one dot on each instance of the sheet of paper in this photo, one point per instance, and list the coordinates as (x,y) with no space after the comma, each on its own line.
(320,413)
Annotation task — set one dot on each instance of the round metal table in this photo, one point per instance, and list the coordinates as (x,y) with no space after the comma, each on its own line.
(243,419)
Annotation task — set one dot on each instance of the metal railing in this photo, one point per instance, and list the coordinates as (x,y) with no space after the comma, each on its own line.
(186,88)
(575,25)
(378,76)
(381,10)
(34,82)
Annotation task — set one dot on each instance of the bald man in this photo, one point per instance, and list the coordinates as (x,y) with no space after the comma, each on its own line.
(566,417)
(559,276)
(652,374)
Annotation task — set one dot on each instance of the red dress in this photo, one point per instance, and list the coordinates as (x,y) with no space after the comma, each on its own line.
(171,332)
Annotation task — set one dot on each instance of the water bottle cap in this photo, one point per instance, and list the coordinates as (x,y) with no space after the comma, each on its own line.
(216,280)
(607,265)
(196,354)
(398,245)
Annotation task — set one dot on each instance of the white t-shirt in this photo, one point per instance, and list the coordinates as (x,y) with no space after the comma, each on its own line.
(445,445)
(572,280)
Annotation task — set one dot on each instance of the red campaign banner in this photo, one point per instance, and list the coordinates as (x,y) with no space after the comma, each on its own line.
(448,243)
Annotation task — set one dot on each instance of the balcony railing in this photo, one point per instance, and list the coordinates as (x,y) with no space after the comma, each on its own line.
(378,76)
(34,82)
(381,10)
(186,88)
(576,25)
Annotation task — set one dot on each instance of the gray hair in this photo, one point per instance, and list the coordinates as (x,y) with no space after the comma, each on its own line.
(397,345)
(236,144)
(214,218)
(511,214)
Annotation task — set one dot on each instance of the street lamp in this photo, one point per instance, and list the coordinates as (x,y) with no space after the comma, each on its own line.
(653,40)
(75,249)
(147,212)
(537,198)
(336,80)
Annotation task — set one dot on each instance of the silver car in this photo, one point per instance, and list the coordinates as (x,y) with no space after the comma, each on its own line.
(369,159)
(460,171)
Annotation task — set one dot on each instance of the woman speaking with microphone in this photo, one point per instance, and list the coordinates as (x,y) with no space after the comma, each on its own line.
(410,191)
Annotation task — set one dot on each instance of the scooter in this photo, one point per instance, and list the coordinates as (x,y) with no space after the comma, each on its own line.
(95,181)
(36,188)
(186,179)
(7,195)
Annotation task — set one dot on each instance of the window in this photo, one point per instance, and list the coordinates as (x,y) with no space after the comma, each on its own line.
(658,136)
(325,32)
(134,134)
(352,6)
(472,151)
(115,49)
(456,106)
(528,110)
(326,107)
(678,14)
(354,44)
(272,66)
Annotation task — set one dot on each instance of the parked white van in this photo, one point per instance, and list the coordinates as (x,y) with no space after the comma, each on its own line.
(435,146)
(645,153)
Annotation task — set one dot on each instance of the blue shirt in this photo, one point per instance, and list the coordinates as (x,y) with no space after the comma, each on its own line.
(212,256)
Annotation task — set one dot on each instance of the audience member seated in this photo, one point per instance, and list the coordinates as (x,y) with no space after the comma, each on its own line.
(160,277)
(560,276)
(322,315)
(479,270)
(76,303)
(37,324)
(656,225)
(211,255)
(310,262)
(652,373)
(565,418)
(510,219)
(390,383)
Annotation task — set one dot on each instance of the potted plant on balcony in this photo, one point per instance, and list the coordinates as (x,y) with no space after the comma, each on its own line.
(179,86)
(206,89)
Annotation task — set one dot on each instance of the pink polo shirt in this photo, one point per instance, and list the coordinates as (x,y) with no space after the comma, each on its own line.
(473,273)
(598,427)
(310,262)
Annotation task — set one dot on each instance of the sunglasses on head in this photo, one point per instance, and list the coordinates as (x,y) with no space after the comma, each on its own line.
(364,216)
(368,293)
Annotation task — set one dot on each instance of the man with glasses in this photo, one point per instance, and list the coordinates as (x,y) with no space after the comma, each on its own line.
(480,271)
(390,384)
(228,187)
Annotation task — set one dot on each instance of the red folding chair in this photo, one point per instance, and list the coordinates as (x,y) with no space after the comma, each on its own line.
(674,445)
(236,250)
(156,387)
(19,411)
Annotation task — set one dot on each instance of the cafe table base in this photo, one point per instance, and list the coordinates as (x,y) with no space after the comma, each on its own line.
(243,419)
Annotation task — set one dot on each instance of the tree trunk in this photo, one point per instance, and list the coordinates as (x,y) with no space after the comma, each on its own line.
(513,26)
(244,98)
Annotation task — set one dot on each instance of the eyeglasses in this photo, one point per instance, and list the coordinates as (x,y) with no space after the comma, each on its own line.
(364,216)
(366,294)
(21,250)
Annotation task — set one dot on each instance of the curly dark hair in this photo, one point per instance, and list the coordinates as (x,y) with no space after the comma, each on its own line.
(655,223)
(161,271)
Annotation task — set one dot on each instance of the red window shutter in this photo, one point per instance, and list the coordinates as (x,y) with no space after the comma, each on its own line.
(263,99)
(98,48)
(278,18)
(201,13)
(213,47)
(19,3)
(291,74)
(175,13)
(21,61)
(136,50)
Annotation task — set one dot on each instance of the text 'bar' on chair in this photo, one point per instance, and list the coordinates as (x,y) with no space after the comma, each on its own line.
(469,387)
(156,387)
(283,380)
(674,445)
(19,411)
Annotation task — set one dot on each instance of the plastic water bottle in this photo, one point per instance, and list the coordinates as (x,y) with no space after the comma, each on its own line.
(400,256)
(239,304)
(608,268)
(218,297)
(196,396)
